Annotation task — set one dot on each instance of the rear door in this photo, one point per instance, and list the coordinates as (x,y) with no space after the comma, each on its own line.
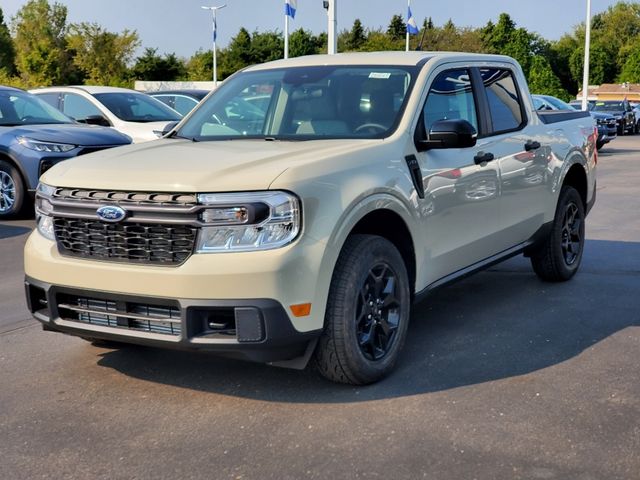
(520,153)
(460,208)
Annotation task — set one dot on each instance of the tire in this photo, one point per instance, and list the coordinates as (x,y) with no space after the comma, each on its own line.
(360,343)
(599,145)
(12,191)
(559,255)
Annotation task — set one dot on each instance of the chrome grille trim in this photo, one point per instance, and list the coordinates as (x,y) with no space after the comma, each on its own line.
(108,313)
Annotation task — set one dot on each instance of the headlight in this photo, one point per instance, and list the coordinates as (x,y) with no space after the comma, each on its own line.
(248,221)
(44,220)
(40,146)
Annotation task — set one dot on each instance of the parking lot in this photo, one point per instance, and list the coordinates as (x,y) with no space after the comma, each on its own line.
(502,377)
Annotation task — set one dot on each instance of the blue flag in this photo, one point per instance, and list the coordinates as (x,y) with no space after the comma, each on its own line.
(290,7)
(412,28)
(215,29)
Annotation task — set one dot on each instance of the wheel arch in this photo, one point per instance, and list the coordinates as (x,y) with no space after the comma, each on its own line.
(391,226)
(576,177)
(6,156)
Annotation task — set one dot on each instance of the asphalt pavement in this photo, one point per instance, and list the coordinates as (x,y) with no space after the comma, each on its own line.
(503,377)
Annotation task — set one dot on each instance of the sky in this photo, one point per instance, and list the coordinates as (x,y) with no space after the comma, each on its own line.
(182,27)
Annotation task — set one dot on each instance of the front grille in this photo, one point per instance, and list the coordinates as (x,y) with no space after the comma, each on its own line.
(126,242)
(125,315)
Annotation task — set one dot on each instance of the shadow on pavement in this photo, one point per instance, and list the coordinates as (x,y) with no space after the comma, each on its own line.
(496,325)
(7,231)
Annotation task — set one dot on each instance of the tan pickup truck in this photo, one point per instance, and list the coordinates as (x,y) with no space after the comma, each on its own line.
(299,211)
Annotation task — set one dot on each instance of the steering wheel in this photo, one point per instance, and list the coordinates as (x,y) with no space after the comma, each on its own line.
(371,126)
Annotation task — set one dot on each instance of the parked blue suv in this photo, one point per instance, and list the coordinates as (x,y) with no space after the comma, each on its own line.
(35,136)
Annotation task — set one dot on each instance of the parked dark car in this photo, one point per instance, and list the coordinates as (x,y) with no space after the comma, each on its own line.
(182,101)
(33,137)
(606,122)
(623,112)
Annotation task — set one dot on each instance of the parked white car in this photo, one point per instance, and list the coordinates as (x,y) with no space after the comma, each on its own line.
(133,113)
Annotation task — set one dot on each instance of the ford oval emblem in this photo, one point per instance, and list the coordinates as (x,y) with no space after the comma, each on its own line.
(111,213)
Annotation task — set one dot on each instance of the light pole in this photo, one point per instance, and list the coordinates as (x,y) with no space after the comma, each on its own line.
(587,45)
(332,13)
(215,34)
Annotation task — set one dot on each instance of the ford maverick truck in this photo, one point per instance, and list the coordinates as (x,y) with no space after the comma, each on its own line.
(296,215)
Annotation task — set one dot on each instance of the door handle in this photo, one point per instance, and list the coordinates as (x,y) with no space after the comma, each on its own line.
(482,157)
(531,145)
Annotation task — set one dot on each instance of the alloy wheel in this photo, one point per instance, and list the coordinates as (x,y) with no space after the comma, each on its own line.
(7,192)
(571,238)
(378,312)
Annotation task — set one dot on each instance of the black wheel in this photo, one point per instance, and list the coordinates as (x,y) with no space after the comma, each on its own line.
(367,312)
(12,191)
(559,256)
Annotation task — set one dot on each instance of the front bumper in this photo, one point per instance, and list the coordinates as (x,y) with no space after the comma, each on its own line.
(250,329)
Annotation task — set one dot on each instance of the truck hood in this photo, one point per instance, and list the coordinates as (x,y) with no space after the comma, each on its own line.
(176,165)
(72,133)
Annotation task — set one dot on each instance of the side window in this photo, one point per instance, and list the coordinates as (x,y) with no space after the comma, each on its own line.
(77,107)
(450,97)
(50,98)
(184,104)
(505,104)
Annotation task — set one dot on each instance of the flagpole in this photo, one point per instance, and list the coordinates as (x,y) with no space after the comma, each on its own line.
(214,28)
(332,13)
(587,45)
(286,35)
(408,8)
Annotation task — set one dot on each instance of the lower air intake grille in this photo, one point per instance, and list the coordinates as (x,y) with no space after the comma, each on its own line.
(125,242)
(127,315)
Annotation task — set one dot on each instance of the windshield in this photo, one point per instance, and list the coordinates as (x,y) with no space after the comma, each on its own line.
(304,103)
(608,107)
(137,107)
(558,104)
(21,108)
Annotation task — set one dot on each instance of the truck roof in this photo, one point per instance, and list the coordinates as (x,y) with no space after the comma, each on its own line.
(412,58)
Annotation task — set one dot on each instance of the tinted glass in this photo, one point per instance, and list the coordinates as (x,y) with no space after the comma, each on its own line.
(504,100)
(20,108)
(557,103)
(77,107)
(450,97)
(137,107)
(608,107)
(184,104)
(50,98)
(304,103)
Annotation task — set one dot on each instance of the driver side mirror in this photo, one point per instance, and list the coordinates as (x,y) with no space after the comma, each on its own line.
(95,120)
(166,129)
(455,133)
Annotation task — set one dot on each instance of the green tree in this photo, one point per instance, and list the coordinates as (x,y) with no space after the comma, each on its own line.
(200,66)
(103,56)
(302,42)
(151,66)
(504,38)
(378,41)
(631,69)
(601,68)
(266,46)
(356,37)
(39,31)
(7,52)
(397,28)
(543,81)
(237,55)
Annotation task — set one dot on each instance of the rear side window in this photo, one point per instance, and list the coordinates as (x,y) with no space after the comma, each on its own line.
(78,108)
(450,97)
(505,104)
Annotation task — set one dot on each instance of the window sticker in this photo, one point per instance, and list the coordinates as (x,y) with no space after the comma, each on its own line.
(380,75)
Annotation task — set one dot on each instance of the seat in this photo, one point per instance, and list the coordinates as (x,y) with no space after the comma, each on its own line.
(323,117)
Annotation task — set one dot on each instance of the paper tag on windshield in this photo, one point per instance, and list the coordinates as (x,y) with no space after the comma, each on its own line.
(381,75)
